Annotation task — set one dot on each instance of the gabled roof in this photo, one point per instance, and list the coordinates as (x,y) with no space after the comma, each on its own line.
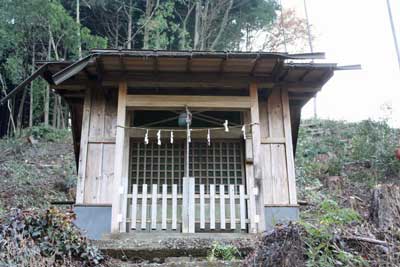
(159,68)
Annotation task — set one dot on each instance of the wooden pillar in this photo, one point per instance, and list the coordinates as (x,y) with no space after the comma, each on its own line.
(258,158)
(255,131)
(80,186)
(250,183)
(119,191)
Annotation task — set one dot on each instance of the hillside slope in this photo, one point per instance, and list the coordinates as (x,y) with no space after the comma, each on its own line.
(36,169)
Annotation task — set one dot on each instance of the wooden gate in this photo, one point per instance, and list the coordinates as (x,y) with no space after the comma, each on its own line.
(160,199)
(222,209)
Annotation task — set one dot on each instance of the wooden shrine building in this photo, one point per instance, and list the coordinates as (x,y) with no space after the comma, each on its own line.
(136,171)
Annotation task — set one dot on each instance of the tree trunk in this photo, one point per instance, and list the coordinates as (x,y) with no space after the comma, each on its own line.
(47,90)
(385,206)
(223,25)
(55,111)
(197,25)
(10,108)
(31,91)
(129,36)
(117,33)
(149,7)
(78,32)
(46,105)
(20,112)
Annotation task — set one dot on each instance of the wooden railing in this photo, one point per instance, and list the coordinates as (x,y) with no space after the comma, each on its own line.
(217,209)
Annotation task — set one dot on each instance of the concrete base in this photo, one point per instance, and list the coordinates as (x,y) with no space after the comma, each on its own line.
(147,246)
(93,220)
(280,215)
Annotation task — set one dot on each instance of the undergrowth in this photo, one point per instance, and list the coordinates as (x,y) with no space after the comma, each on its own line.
(36,168)
(363,152)
(223,252)
(49,238)
(324,240)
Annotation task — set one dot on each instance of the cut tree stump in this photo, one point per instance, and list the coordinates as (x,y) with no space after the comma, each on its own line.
(385,206)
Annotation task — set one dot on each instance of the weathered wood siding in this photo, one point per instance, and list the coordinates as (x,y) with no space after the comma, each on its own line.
(277,151)
(96,169)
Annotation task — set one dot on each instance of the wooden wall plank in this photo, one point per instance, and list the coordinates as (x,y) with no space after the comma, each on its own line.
(80,187)
(106,192)
(289,148)
(93,174)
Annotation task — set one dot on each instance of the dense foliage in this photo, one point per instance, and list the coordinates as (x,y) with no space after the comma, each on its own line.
(33,238)
(48,30)
(362,152)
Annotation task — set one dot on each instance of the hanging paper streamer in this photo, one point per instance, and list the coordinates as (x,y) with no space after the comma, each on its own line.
(172,137)
(226,126)
(146,137)
(159,138)
(244,132)
(208,137)
(189,138)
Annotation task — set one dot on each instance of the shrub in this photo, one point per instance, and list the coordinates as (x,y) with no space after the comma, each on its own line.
(32,238)
(223,252)
(47,133)
(323,237)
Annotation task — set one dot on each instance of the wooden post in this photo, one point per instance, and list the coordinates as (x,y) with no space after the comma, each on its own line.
(255,132)
(250,180)
(116,216)
(80,187)
(258,155)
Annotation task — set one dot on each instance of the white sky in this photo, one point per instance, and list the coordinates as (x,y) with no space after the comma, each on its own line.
(355,32)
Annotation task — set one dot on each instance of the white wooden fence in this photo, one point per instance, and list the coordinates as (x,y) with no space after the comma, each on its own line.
(217,209)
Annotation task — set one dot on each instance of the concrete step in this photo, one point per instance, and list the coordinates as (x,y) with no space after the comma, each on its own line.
(179,262)
(157,247)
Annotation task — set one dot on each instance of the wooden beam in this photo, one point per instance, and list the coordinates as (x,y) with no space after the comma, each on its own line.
(255,64)
(304,75)
(116,214)
(273,140)
(99,69)
(277,69)
(222,65)
(180,101)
